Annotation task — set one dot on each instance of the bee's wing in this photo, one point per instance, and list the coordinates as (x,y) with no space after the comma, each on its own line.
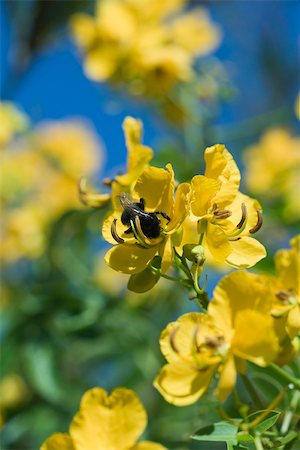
(125,200)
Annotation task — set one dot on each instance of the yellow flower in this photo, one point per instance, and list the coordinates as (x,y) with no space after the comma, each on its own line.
(51,159)
(13,393)
(224,219)
(146,48)
(105,422)
(12,121)
(237,328)
(195,32)
(285,287)
(273,169)
(138,157)
(137,247)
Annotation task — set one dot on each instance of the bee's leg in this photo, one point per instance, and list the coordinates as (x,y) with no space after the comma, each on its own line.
(142,204)
(164,215)
(129,230)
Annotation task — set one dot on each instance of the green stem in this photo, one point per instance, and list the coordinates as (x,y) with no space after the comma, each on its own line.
(167,277)
(290,413)
(252,392)
(258,443)
(283,374)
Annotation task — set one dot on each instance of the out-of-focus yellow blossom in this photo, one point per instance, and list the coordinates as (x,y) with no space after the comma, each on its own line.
(273,169)
(12,121)
(39,180)
(104,422)
(13,393)
(297,106)
(136,250)
(145,47)
(237,328)
(285,287)
(138,157)
(222,217)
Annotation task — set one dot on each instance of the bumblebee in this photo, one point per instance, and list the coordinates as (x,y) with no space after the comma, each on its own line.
(134,212)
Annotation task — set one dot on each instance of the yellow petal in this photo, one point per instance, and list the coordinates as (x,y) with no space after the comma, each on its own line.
(83,29)
(180,334)
(181,384)
(245,252)
(120,228)
(238,291)
(252,206)
(181,207)
(293,322)
(98,65)
(227,379)
(148,445)
(156,186)
(195,32)
(255,338)
(129,258)
(221,166)
(58,441)
(138,155)
(287,263)
(217,243)
(108,422)
(203,191)
(167,254)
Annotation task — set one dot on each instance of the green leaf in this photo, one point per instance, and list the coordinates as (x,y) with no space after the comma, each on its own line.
(268,422)
(217,432)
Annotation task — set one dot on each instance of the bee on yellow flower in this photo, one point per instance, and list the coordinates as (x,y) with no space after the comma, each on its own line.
(237,328)
(147,225)
(105,422)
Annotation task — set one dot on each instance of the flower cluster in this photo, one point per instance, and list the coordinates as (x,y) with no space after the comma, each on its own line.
(273,170)
(149,48)
(251,317)
(156,223)
(51,158)
(105,422)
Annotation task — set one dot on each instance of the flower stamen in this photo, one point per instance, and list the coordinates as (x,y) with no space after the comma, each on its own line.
(113,230)
(258,224)
(222,214)
(244,216)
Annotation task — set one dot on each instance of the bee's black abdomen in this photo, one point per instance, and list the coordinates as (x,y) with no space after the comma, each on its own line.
(150,225)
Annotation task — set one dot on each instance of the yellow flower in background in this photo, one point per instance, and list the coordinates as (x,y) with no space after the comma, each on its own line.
(52,158)
(13,393)
(223,218)
(145,47)
(12,121)
(273,169)
(285,287)
(105,422)
(237,328)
